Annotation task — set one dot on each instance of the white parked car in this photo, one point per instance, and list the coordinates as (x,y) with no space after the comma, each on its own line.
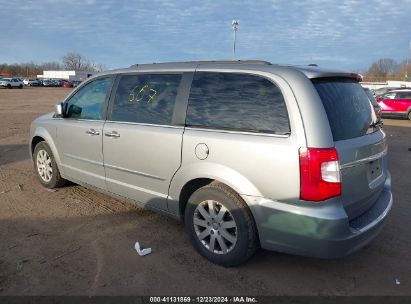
(11,83)
(31,82)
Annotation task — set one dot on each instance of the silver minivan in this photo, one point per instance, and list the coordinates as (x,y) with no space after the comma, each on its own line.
(247,153)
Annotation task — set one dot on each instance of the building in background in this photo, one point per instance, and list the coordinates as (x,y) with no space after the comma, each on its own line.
(388,83)
(67,75)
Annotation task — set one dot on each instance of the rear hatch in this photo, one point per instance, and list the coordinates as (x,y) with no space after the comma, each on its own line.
(359,140)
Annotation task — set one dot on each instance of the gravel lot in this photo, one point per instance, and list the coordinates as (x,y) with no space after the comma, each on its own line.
(78,242)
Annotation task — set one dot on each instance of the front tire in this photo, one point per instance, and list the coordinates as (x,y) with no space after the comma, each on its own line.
(46,166)
(220,225)
(409,115)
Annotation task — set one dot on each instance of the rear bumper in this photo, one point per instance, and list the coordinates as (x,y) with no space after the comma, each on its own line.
(320,231)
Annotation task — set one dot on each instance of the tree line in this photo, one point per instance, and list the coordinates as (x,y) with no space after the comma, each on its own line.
(388,69)
(380,71)
(70,61)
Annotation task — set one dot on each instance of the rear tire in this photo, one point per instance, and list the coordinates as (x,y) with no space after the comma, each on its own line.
(20,86)
(46,166)
(9,86)
(220,225)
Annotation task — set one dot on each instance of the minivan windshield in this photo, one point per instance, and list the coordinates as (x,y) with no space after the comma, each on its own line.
(348,108)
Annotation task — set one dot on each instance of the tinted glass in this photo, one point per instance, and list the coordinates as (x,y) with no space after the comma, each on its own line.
(89,101)
(403,95)
(348,108)
(146,98)
(236,102)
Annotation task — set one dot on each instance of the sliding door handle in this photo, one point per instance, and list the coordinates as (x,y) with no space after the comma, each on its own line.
(112,134)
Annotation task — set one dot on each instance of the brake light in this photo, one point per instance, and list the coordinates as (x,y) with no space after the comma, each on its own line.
(319,174)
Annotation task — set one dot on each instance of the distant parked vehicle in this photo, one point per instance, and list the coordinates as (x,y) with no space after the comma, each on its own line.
(58,82)
(10,83)
(75,83)
(67,84)
(382,91)
(47,83)
(396,103)
(31,82)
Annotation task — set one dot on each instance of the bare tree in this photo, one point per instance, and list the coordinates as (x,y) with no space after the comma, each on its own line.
(74,61)
(381,70)
(51,66)
(404,71)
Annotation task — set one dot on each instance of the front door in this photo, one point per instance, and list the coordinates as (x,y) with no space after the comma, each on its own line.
(79,135)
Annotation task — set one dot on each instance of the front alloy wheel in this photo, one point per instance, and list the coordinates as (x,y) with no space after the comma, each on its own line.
(44,166)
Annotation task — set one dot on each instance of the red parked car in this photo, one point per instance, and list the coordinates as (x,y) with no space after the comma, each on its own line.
(396,103)
(67,84)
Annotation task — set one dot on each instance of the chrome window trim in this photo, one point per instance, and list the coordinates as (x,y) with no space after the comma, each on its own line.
(144,124)
(237,132)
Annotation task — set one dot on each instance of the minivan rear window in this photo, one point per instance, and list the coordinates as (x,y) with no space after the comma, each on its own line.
(348,108)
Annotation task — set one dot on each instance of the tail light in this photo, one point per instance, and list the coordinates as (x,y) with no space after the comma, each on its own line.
(319,174)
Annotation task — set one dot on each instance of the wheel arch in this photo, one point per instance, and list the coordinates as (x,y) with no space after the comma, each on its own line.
(187,180)
(41,134)
(409,113)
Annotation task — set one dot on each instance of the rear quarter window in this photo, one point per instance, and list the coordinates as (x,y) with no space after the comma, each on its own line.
(348,108)
(239,102)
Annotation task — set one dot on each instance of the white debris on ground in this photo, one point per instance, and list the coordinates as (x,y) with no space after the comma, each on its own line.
(142,252)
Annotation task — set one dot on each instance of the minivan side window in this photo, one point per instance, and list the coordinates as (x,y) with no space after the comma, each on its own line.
(89,101)
(146,98)
(238,102)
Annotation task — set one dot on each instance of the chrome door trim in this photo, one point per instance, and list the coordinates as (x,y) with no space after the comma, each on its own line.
(144,124)
(365,160)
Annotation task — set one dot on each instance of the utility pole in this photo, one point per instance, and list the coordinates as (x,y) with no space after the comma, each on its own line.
(235,24)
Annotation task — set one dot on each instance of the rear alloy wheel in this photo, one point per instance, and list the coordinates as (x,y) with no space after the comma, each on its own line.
(220,225)
(215,227)
(46,167)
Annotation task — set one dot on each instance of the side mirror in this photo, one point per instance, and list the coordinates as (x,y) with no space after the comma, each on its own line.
(58,110)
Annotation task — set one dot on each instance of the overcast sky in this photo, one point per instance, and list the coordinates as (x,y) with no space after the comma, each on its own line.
(341,34)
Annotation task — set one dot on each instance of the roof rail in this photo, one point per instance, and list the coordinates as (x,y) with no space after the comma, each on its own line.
(214,61)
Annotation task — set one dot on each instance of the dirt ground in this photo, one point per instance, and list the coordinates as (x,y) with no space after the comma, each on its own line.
(75,241)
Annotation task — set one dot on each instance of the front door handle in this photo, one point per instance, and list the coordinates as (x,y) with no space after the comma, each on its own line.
(112,134)
(92,132)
